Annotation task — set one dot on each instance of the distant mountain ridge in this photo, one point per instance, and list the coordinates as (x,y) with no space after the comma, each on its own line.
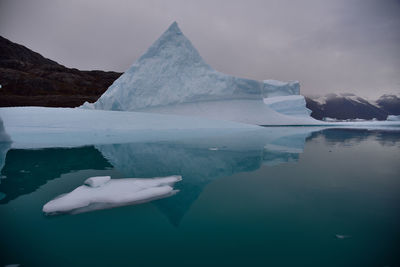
(346,106)
(29,79)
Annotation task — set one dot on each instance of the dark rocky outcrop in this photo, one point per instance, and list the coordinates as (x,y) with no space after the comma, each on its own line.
(29,79)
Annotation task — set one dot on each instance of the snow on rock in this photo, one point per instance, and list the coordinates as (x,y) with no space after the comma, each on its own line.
(294,105)
(172,78)
(114,193)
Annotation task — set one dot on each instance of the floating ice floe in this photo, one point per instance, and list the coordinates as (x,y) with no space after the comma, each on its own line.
(102,192)
(338,236)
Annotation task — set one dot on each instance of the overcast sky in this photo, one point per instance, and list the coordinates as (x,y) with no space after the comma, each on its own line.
(329,46)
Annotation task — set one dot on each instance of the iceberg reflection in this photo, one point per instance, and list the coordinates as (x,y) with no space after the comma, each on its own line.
(103,193)
(26,170)
(201,161)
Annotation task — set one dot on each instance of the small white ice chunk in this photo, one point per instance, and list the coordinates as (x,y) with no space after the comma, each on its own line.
(393,118)
(339,236)
(97,181)
(104,193)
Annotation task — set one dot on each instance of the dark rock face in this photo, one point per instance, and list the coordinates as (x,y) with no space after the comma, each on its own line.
(27,78)
(344,107)
(317,110)
(389,103)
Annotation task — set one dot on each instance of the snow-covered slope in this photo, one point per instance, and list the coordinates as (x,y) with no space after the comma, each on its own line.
(172,78)
(390,104)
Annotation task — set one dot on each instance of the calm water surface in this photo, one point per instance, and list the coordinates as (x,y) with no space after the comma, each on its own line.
(322,198)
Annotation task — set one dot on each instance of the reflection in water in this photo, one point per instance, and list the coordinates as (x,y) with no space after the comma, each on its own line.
(355,136)
(4,147)
(199,161)
(26,170)
(197,165)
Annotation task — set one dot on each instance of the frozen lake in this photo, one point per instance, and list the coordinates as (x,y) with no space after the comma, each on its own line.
(278,196)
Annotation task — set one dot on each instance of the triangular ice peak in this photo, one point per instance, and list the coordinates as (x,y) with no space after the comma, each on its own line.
(173,43)
(173,72)
(174,28)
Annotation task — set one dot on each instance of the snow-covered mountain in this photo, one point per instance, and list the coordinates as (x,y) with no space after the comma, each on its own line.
(172,78)
(390,104)
(344,106)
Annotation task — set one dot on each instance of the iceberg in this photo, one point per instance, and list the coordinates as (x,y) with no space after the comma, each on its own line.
(40,127)
(103,193)
(4,137)
(294,105)
(393,118)
(274,88)
(5,144)
(172,78)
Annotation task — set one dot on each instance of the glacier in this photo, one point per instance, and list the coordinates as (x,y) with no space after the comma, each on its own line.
(172,78)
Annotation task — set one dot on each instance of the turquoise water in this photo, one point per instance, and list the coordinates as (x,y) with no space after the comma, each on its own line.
(316,198)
